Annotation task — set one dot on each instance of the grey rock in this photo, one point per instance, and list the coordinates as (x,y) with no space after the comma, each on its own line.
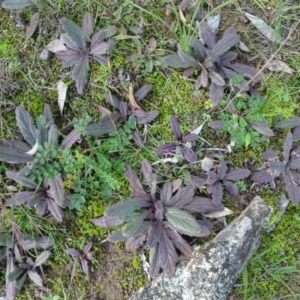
(212,270)
(45,54)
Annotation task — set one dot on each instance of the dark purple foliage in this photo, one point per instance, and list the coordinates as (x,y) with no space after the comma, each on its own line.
(11,247)
(219,177)
(157,217)
(49,198)
(85,256)
(42,131)
(273,167)
(83,48)
(180,145)
(213,60)
(127,110)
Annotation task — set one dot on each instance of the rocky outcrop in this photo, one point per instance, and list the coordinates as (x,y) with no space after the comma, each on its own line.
(212,270)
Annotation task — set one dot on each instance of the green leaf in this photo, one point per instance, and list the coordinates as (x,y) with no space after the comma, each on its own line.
(184,222)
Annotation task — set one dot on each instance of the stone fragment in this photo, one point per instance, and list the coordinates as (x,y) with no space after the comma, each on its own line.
(45,54)
(212,270)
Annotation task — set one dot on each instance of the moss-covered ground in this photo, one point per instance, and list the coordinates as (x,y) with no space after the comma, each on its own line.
(26,79)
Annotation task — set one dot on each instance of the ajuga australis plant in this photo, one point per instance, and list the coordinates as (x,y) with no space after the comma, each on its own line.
(147,56)
(50,197)
(41,148)
(132,109)
(273,167)
(181,146)
(158,217)
(85,256)
(219,177)
(11,247)
(213,60)
(82,48)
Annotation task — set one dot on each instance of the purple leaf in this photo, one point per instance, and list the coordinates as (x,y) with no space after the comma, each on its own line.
(212,177)
(166,192)
(228,73)
(37,198)
(73,252)
(81,68)
(245,70)
(135,227)
(270,154)
(216,78)
(107,221)
(22,180)
(135,243)
(87,24)
(199,50)
(188,59)
(85,266)
(192,137)
(147,173)
(276,167)
(183,221)
(167,255)
(183,197)
(231,188)
(41,259)
(295,164)
(70,139)
(87,247)
(55,210)
(116,236)
(154,262)
(237,174)
(198,182)
(227,57)
(222,169)
(213,56)
(75,33)
(217,194)
(203,78)
(36,278)
(179,242)
(112,100)
(261,127)
(19,198)
(41,207)
(16,145)
(228,41)
(292,187)
(187,73)
(148,116)
(262,176)
(135,184)
(124,209)
(166,148)
(56,190)
(100,49)
(68,57)
(288,123)
(142,92)
(175,128)
(102,34)
(43,242)
(104,126)
(34,22)
(188,154)
(208,35)
(287,146)
(175,61)
(137,139)
(202,205)
(26,125)
(17,4)
(215,93)
(296,132)
(217,124)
